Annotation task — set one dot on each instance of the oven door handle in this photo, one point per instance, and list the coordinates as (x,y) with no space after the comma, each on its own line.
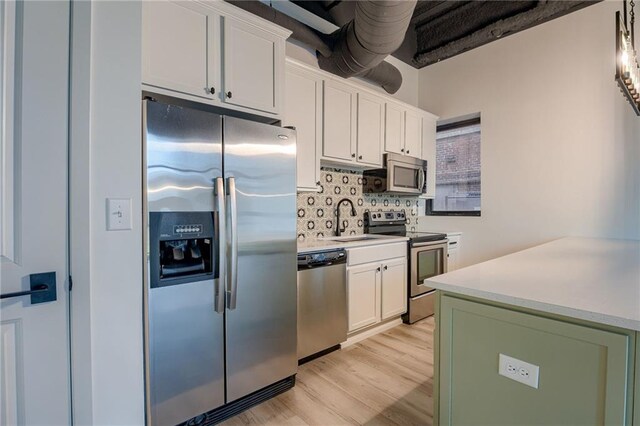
(431,243)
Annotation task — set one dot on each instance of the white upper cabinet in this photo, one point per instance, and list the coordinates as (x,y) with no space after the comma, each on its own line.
(253,66)
(413,134)
(403,130)
(339,121)
(394,128)
(355,125)
(303,110)
(370,133)
(183,55)
(174,46)
(429,153)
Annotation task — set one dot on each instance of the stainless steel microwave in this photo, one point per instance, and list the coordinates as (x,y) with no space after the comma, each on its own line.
(401,175)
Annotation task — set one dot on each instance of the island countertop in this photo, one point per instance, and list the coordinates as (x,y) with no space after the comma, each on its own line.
(595,280)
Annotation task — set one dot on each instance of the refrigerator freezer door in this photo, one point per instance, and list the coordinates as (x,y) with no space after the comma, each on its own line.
(184,155)
(185,334)
(186,343)
(261,329)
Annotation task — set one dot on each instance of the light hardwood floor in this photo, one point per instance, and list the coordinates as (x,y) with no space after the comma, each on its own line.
(383,380)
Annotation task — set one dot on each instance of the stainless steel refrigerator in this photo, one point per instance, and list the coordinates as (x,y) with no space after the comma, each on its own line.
(220,277)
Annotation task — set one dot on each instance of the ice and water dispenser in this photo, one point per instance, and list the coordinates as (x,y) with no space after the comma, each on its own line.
(183,248)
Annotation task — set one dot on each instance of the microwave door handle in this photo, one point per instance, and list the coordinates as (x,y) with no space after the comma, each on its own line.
(219,294)
(232,286)
(423,180)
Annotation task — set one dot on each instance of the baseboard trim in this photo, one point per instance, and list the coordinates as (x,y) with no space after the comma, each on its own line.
(376,329)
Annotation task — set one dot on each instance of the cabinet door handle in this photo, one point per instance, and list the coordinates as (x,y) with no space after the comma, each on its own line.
(353,156)
(318,183)
(402,150)
(378,269)
(359,157)
(407,151)
(385,267)
(229,94)
(212,90)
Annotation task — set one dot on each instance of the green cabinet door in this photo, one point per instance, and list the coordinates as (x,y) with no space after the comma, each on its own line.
(584,376)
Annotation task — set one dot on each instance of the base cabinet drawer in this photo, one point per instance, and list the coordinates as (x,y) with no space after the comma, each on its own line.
(583,371)
(376,253)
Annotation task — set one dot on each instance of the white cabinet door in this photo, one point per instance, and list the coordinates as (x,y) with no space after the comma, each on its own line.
(394,128)
(253,66)
(363,283)
(370,131)
(452,259)
(303,110)
(412,134)
(429,153)
(174,47)
(339,123)
(394,287)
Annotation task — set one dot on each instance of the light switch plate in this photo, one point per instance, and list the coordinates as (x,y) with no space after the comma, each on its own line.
(118,214)
(518,370)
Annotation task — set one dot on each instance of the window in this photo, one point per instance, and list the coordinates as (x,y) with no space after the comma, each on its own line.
(457,169)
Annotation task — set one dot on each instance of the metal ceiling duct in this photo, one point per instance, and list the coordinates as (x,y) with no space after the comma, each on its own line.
(358,49)
(377,30)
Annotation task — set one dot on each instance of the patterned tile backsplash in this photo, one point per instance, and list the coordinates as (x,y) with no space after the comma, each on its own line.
(317,210)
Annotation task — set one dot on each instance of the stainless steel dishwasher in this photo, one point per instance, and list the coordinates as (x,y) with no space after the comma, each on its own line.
(322,302)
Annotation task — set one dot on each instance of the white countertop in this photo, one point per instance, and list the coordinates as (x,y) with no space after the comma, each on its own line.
(595,280)
(328,244)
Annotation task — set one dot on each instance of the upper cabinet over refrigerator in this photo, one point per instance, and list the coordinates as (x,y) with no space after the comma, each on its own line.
(214,53)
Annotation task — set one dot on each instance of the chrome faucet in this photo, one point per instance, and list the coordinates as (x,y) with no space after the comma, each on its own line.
(353,213)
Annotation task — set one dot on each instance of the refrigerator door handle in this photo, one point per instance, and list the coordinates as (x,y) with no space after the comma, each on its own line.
(220,292)
(232,286)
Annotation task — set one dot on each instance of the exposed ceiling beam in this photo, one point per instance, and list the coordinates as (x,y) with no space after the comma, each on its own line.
(544,11)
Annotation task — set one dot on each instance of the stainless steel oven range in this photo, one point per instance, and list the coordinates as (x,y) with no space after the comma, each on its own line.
(426,255)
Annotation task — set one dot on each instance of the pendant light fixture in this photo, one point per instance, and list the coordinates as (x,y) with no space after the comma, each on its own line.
(627,64)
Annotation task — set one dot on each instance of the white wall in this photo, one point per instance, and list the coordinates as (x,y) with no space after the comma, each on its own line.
(407,92)
(560,145)
(107,351)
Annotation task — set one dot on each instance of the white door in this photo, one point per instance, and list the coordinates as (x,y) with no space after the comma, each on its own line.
(34,372)
(303,110)
(413,134)
(252,58)
(174,47)
(339,123)
(363,283)
(394,128)
(394,287)
(370,132)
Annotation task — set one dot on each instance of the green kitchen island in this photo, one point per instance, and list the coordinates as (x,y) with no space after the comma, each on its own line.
(548,335)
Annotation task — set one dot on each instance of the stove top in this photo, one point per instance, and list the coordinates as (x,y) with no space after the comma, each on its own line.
(394,223)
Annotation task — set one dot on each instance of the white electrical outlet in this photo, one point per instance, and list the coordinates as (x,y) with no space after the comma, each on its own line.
(118,214)
(518,370)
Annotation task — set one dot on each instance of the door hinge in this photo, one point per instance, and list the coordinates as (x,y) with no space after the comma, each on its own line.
(70,283)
